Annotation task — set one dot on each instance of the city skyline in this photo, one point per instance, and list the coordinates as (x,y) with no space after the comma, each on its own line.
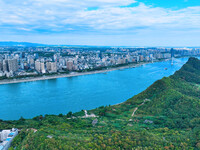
(101,23)
(23,61)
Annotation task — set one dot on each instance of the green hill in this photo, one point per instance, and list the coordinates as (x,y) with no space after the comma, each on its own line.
(164,116)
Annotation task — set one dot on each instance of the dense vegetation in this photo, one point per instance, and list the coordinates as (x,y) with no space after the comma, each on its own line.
(164,116)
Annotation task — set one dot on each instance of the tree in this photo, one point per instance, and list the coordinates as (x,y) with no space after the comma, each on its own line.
(69,115)
(21,119)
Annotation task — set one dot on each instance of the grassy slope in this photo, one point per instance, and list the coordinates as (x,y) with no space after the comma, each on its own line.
(167,117)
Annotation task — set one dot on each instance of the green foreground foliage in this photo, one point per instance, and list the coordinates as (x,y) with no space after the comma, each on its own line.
(164,116)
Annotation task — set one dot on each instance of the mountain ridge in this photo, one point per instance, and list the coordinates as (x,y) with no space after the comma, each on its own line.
(11,43)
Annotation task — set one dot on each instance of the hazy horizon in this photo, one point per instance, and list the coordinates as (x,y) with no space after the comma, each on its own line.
(120,46)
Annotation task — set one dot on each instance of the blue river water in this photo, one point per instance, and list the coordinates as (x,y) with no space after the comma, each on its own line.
(62,95)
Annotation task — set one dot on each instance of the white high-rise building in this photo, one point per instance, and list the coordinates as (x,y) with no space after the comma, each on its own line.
(53,67)
(43,70)
(37,66)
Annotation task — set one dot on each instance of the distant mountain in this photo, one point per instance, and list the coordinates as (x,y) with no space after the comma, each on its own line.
(10,43)
(27,44)
(165,116)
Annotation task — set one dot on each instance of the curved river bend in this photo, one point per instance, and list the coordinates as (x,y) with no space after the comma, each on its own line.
(62,95)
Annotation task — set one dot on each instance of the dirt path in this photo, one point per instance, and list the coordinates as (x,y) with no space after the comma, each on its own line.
(139,106)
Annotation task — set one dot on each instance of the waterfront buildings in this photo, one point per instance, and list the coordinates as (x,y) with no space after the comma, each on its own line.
(46,60)
(8,67)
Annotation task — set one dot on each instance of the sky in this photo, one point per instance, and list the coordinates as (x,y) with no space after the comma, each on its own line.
(101,22)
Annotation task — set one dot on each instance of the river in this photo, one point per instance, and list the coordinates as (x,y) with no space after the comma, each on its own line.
(55,96)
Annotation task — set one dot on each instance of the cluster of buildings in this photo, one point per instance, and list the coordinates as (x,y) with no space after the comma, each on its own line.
(8,67)
(46,60)
(6,137)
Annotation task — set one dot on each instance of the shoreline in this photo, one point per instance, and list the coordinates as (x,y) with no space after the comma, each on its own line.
(72,74)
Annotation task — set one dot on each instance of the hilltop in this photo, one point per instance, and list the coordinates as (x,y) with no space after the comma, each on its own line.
(164,116)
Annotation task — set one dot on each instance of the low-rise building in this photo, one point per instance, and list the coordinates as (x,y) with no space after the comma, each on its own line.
(6,138)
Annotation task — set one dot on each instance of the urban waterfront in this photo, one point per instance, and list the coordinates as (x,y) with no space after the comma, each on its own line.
(82,92)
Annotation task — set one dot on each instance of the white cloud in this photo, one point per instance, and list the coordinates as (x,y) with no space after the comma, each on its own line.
(72,15)
(86,3)
(140,16)
(24,29)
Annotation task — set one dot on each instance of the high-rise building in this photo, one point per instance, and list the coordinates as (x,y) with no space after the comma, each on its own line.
(43,70)
(23,54)
(141,58)
(22,65)
(40,66)
(70,65)
(48,66)
(12,65)
(37,66)
(5,65)
(172,52)
(53,67)
(1,65)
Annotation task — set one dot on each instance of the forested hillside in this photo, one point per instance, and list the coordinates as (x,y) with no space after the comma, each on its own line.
(164,116)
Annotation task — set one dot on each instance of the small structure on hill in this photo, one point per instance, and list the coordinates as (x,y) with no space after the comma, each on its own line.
(94,122)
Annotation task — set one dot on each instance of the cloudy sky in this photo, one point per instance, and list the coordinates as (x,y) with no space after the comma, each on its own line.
(102,22)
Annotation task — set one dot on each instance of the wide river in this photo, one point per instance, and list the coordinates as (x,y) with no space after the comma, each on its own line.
(62,95)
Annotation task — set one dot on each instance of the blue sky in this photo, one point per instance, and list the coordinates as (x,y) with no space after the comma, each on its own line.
(174,4)
(102,22)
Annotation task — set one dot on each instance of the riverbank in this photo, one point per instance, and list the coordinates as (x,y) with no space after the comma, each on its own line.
(72,74)
(87,92)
